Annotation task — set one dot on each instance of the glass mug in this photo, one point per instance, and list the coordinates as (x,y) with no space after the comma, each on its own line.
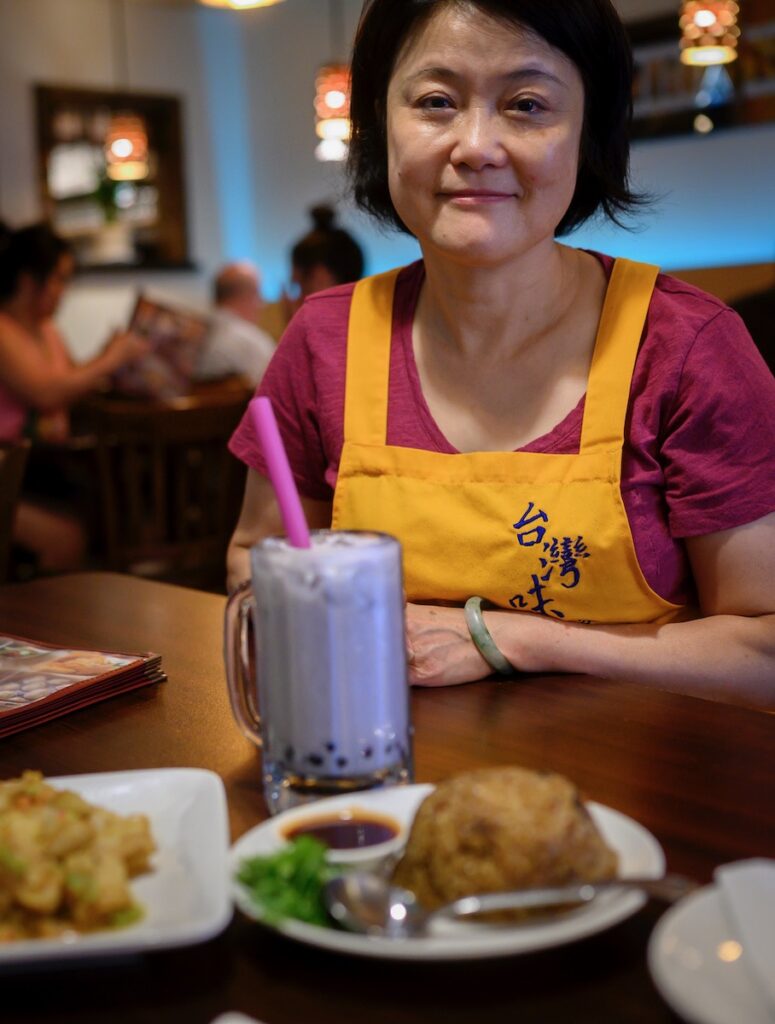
(328,699)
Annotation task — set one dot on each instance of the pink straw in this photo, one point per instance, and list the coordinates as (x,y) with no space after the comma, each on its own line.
(287,495)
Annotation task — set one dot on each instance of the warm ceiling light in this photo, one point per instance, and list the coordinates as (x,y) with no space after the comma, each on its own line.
(709,32)
(126,147)
(332,111)
(240,5)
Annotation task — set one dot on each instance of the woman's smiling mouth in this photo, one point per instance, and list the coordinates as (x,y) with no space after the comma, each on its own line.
(476,197)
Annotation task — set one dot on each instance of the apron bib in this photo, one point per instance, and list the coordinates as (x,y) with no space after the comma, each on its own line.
(541,533)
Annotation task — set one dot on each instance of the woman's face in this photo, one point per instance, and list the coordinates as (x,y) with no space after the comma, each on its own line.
(312,279)
(50,292)
(484,126)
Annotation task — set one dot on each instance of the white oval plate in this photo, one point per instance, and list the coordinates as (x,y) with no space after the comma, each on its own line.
(699,967)
(639,854)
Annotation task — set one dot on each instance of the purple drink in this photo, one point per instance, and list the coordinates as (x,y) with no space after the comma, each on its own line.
(331,666)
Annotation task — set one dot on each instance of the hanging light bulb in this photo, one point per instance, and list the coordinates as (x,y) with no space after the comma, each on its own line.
(126,148)
(240,5)
(332,111)
(709,32)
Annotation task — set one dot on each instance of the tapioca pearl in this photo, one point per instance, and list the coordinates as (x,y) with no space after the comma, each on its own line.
(367,752)
(342,762)
(388,748)
(330,746)
(315,759)
(289,754)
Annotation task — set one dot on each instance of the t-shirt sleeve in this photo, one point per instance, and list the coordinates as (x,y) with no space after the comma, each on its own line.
(289,383)
(719,443)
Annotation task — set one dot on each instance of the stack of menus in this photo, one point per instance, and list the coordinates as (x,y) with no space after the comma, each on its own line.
(39,682)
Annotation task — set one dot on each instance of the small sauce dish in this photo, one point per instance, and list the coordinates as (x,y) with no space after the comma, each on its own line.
(354,834)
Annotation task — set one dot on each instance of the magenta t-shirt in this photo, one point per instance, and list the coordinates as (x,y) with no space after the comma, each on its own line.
(699,453)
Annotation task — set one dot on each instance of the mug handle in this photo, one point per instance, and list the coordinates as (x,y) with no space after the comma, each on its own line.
(236,656)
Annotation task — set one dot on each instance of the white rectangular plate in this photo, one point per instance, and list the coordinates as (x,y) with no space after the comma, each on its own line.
(185,897)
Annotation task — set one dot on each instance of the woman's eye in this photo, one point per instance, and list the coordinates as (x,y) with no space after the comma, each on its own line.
(435,103)
(526,105)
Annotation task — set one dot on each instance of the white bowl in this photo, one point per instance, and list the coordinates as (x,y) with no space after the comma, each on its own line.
(346,808)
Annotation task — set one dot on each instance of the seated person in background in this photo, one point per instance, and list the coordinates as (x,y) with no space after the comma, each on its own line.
(326,256)
(758,314)
(38,380)
(236,344)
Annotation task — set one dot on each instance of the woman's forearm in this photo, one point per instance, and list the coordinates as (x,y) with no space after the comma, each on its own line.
(237,564)
(68,386)
(721,657)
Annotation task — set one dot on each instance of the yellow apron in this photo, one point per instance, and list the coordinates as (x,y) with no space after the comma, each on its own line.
(535,532)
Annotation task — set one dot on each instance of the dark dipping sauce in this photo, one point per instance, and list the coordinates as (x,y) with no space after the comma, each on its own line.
(352,832)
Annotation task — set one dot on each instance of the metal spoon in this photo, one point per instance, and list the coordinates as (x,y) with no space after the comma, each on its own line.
(367,903)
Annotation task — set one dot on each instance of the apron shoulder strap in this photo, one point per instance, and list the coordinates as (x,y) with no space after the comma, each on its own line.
(621,325)
(368,359)
(616,347)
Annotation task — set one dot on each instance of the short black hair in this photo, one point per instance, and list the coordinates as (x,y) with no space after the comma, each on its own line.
(329,246)
(589,32)
(34,250)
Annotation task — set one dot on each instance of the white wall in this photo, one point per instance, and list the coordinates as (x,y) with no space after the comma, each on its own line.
(246,82)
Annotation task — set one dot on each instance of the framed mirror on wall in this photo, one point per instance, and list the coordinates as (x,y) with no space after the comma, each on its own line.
(111,176)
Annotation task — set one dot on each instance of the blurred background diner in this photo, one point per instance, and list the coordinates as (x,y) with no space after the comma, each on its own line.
(38,383)
(166,141)
(235,344)
(324,256)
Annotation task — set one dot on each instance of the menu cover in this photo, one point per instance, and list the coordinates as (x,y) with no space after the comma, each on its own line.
(176,338)
(39,682)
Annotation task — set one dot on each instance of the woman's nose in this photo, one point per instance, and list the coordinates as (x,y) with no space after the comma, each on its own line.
(479,141)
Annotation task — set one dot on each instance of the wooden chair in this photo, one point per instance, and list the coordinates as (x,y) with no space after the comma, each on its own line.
(13,459)
(170,491)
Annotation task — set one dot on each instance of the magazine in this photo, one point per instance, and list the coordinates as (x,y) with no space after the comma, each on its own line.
(176,336)
(39,682)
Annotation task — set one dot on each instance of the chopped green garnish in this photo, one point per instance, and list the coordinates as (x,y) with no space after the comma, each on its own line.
(11,862)
(289,883)
(127,916)
(82,885)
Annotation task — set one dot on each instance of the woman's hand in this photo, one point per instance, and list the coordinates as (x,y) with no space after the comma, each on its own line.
(125,347)
(440,649)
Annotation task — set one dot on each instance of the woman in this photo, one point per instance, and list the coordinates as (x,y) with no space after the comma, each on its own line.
(38,380)
(326,256)
(585,444)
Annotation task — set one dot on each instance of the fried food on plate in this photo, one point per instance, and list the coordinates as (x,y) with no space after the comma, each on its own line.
(497,829)
(65,863)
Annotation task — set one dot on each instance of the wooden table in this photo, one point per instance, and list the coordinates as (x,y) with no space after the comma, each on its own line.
(699,775)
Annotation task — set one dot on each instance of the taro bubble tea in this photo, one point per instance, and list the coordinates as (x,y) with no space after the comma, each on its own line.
(331,665)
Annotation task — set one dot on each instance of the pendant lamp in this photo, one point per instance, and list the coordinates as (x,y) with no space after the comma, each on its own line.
(126,135)
(126,148)
(709,32)
(332,97)
(332,111)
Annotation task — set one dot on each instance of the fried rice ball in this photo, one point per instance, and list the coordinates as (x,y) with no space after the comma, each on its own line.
(498,829)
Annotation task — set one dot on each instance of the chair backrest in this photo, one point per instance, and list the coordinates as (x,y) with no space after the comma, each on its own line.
(170,490)
(13,459)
